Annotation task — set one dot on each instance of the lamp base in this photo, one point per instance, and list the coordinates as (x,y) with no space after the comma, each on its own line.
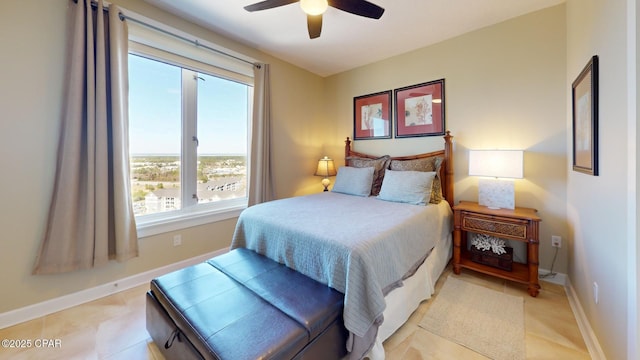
(496,194)
(325,183)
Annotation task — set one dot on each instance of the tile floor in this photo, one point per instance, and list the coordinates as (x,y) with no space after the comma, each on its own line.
(113,327)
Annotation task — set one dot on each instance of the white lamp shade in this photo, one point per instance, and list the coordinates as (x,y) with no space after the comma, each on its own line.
(496,163)
(326,167)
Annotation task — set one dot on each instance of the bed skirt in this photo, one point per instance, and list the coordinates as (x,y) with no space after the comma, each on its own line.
(403,301)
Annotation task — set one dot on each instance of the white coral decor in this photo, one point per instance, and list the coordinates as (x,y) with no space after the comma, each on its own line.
(487,242)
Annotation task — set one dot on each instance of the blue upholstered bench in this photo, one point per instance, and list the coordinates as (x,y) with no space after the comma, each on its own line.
(242,305)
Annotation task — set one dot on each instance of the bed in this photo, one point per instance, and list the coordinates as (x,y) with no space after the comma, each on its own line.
(382,237)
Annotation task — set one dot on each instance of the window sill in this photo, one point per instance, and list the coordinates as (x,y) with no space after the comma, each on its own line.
(185,219)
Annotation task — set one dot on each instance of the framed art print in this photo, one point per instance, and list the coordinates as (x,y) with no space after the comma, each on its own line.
(584,98)
(420,109)
(372,116)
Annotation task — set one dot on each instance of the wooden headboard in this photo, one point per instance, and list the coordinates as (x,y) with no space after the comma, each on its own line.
(446,169)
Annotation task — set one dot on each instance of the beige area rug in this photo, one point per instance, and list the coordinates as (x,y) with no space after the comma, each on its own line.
(486,321)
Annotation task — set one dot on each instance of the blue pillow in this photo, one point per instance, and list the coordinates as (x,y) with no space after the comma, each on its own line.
(353,181)
(411,187)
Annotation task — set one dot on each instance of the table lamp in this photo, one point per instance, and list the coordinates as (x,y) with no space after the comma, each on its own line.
(325,169)
(502,166)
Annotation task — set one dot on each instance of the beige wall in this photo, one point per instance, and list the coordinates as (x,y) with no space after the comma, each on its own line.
(310,114)
(504,88)
(598,208)
(507,86)
(32,57)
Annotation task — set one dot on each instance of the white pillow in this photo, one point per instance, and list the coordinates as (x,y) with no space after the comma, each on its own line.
(412,187)
(354,181)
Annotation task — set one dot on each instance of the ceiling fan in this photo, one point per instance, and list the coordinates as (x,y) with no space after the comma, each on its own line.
(315,8)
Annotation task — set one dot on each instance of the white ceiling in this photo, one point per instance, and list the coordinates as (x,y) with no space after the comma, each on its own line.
(347,40)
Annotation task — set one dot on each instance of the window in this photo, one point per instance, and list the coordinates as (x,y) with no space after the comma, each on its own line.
(188,138)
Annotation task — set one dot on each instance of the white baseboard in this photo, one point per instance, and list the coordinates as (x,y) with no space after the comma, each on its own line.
(47,307)
(590,339)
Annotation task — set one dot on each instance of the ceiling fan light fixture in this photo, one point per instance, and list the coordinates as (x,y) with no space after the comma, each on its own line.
(314,7)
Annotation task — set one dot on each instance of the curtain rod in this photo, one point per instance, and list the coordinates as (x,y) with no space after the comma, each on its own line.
(194,42)
(153,27)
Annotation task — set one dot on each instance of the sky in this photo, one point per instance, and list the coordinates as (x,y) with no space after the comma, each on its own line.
(155,111)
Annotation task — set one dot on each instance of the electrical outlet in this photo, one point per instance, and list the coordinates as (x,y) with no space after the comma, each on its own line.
(595,292)
(556,241)
(177,240)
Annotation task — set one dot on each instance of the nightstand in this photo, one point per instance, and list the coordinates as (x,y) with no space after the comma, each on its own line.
(520,224)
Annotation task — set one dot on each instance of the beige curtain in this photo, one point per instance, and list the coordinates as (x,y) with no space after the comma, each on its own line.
(260,178)
(91,218)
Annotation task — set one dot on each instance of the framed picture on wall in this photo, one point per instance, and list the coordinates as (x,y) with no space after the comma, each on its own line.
(372,116)
(420,109)
(584,98)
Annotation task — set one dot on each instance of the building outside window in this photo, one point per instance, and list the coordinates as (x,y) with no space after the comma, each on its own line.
(188,136)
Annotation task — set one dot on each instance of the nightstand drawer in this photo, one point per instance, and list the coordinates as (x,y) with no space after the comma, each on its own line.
(499,226)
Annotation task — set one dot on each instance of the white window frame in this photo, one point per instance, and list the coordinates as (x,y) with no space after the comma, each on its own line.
(191,213)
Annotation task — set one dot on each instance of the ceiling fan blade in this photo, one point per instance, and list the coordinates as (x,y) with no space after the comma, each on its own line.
(314,24)
(268,4)
(358,7)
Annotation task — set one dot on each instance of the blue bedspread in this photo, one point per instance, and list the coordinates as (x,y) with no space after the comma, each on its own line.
(361,246)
